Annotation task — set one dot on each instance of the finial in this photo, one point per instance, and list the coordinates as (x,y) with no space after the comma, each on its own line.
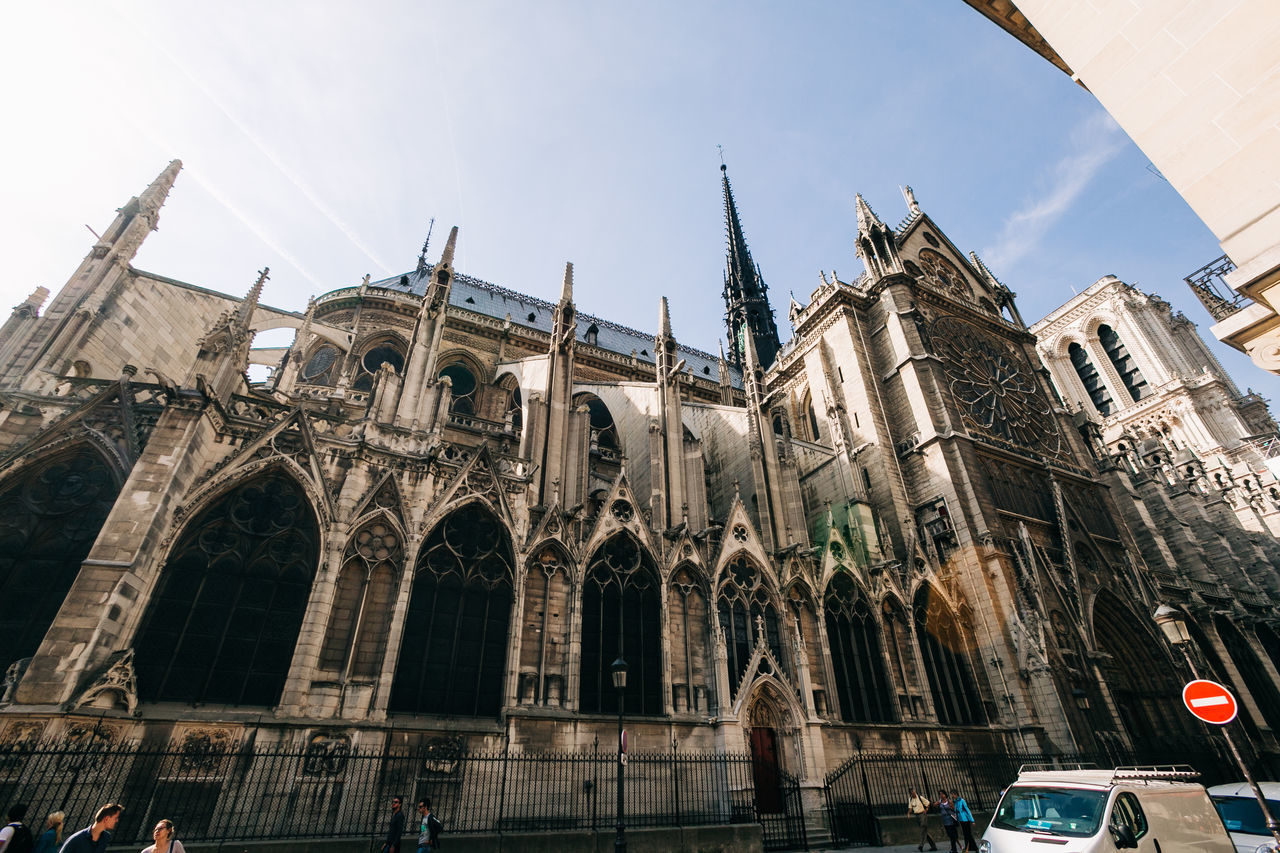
(422,256)
(566,289)
(155,194)
(910,196)
(446,257)
(664,319)
(720,148)
(364,282)
(721,342)
(245,311)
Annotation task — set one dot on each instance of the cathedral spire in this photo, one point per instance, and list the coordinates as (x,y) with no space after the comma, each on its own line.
(746,296)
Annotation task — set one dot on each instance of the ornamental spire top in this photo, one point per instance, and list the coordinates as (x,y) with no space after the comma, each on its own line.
(746,296)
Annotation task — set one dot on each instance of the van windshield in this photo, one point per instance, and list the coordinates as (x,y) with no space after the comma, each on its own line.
(1074,812)
(1241,814)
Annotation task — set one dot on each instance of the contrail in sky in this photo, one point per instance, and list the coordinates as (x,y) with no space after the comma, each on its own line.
(307,192)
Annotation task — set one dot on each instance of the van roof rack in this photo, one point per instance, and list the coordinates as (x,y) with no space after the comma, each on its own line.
(1157,772)
(1045,766)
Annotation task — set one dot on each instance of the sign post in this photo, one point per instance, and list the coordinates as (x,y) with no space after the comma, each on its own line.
(1212,703)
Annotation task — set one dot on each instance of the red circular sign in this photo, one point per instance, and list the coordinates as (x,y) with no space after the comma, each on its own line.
(1209,701)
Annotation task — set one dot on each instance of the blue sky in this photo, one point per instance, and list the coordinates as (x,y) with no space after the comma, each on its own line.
(320,138)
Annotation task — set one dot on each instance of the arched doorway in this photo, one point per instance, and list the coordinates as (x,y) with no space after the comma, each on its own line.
(224,619)
(1140,676)
(1260,685)
(453,651)
(49,516)
(771,732)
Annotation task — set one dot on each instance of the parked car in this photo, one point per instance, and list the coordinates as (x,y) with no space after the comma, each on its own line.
(1151,810)
(1241,816)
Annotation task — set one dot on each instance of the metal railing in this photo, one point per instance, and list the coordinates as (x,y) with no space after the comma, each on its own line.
(277,792)
(1210,287)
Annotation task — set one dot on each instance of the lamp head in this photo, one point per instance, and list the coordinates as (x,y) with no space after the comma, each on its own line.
(1173,623)
(619,669)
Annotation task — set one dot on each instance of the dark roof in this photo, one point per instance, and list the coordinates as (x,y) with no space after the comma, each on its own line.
(472,294)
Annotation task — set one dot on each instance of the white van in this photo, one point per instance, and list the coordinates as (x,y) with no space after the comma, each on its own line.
(1239,810)
(1148,809)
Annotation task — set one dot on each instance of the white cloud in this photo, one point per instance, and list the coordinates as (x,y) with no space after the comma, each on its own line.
(1093,143)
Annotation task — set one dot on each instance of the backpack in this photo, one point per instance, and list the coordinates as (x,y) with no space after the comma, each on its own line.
(21,842)
(434,828)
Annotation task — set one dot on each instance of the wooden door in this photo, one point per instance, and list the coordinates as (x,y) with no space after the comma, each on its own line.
(764,767)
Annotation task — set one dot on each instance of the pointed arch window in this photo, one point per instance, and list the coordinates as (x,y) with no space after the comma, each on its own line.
(49,517)
(1092,382)
(222,624)
(621,616)
(1265,695)
(371,362)
(453,652)
(854,637)
(360,622)
(1124,364)
(946,662)
(691,676)
(744,605)
(463,389)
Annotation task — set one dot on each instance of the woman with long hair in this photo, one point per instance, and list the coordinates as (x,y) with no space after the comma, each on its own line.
(164,840)
(51,838)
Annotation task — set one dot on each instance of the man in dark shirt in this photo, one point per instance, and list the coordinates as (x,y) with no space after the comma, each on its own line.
(395,828)
(96,837)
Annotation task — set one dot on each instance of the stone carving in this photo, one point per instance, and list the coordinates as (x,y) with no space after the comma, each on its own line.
(327,754)
(116,687)
(12,676)
(202,748)
(440,756)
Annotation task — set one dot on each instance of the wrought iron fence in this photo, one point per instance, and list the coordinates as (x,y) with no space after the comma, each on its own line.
(263,792)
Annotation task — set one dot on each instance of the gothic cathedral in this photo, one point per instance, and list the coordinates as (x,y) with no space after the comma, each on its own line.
(452,507)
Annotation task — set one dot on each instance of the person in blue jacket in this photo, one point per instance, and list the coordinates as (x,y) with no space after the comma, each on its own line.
(965,817)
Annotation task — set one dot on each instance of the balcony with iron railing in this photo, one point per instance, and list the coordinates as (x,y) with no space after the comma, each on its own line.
(1209,285)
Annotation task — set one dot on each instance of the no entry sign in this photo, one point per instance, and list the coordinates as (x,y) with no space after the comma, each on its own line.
(1210,701)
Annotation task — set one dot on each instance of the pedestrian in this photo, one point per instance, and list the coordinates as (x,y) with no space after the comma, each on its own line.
(51,839)
(395,828)
(429,829)
(16,836)
(164,840)
(948,811)
(965,817)
(918,807)
(95,837)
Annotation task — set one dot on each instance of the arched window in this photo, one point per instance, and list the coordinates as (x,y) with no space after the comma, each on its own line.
(49,516)
(225,615)
(513,405)
(690,670)
(321,368)
(453,652)
(946,662)
(371,362)
(362,602)
(464,388)
(861,683)
(621,616)
(604,433)
(1092,382)
(1139,675)
(1130,375)
(743,604)
(592,335)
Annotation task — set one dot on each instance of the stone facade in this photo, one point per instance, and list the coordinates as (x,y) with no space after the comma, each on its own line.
(452,506)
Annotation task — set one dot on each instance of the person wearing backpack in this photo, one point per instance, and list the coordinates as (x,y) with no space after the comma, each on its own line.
(16,836)
(429,829)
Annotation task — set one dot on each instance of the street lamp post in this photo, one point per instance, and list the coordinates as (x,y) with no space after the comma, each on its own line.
(1173,624)
(619,669)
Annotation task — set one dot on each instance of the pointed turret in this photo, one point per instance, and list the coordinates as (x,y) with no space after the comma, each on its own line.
(244,312)
(153,197)
(726,384)
(223,354)
(746,296)
(416,408)
(877,245)
(563,321)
